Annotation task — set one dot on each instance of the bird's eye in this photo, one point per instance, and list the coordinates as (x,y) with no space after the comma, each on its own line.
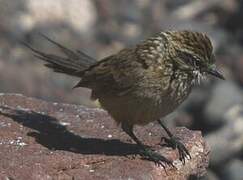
(196,62)
(189,58)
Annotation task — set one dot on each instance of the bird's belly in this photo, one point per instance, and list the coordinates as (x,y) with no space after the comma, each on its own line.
(134,110)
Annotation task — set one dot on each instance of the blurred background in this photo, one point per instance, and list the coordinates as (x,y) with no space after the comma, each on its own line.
(101,27)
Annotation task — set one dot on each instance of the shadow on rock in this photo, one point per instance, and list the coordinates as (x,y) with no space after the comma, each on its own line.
(49,133)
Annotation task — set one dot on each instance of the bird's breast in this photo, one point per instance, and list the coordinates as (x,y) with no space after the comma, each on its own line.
(141,110)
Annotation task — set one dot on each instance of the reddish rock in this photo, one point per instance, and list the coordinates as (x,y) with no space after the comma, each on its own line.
(45,140)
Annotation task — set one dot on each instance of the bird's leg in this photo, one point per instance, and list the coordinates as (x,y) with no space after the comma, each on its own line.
(175,143)
(144,151)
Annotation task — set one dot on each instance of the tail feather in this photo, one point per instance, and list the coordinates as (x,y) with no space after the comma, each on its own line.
(72,64)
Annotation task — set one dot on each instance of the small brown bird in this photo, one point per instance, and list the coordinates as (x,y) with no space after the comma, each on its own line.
(144,83)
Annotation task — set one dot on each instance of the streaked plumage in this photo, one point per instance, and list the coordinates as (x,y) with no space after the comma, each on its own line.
(143,83)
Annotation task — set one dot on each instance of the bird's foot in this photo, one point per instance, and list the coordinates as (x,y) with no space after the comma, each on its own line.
(158,159)
(175,143)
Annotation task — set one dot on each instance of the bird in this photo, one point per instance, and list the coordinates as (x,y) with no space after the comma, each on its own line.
(142,83)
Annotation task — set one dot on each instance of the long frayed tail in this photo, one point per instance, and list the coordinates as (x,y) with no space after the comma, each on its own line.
(73,64)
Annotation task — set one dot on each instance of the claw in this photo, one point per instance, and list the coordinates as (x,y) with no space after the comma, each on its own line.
(158,159)
(175,143)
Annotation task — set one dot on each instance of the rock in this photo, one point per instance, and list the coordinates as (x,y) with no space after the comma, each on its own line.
(45,140)
(210,176)
(227,142)
(224,95)
(9,15)
(197,8)
(237,68)
(233,170)
(78,14)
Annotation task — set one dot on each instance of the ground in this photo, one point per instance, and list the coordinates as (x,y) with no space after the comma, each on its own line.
(46,140)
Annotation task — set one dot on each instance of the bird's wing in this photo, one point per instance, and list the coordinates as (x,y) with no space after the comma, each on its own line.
(114,74)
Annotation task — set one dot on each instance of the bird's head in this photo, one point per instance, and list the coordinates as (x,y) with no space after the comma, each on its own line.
(193,52)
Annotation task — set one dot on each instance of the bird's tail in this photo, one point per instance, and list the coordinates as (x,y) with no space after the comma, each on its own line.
(73,64)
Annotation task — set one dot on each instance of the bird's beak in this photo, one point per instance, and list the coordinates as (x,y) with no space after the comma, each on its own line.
(214,72)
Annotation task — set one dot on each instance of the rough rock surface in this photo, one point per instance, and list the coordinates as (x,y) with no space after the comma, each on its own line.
(45,140)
